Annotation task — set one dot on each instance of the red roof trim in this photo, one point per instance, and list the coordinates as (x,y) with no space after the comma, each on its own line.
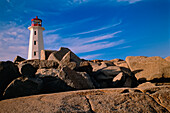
(36,19)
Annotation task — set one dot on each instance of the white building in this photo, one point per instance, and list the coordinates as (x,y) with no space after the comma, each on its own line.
(36,43)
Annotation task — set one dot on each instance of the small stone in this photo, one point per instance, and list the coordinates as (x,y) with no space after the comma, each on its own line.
(119,80)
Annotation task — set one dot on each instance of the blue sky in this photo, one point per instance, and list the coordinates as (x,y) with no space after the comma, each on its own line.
(93,29)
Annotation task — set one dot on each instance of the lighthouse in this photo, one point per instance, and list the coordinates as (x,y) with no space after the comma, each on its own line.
(36,43)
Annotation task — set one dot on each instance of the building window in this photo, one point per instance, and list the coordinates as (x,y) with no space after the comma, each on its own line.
(34,42)
(34,53)
(34,32)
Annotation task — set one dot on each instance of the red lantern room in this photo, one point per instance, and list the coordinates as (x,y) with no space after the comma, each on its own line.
(36,22)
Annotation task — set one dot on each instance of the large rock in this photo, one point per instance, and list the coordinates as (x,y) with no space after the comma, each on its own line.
(131,80)
(27,70)
(77,80)
(54,84)
(84,67)
(146,84)
(23,86)
(70,60)
(119,100)
(18,59)
(47,72)
(120,63)
(124,80)
(106,72)
(162,97)
(149,68)
(167,58)
(128,101)
(41,63)
(111,71)
(8,72)
(46,53)
(97,67)
(58,55)
(161,94)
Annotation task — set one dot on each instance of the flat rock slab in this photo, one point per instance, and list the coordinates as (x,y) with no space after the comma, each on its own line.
(115,100)
(149,68)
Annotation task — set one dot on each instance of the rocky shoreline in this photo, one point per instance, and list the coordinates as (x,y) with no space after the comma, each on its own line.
(136,84)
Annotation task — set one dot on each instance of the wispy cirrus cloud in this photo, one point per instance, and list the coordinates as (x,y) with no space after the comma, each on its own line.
(71,2)
(124,47)
(91,56)
(54,28)
(33,11)
(129,1)
(81,41)
(82,45)
(108,36)
(51,39)
(52,31)
(95,46)
(95,30)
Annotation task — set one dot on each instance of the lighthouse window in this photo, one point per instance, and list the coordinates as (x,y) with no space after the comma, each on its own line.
(34,53)
(34,42)
(34,32)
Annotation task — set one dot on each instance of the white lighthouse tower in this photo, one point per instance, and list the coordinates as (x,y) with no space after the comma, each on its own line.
(36,43)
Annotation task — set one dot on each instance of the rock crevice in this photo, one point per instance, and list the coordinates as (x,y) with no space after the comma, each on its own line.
(88,101)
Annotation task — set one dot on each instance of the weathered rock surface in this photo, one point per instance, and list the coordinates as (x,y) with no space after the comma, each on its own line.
(146,84)
(167,58)
(38,64)
(120,63)
(122,100)
(47,72)
(8,72)
(23,86)
(97,66)
(111,71)
(161,94)
(77,80)
(46,53)
(58,55)
(64,71)
(18,59)
(106,73)
(149,68)
(70,60)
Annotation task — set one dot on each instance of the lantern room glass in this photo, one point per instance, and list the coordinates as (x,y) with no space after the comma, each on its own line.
(36,23)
